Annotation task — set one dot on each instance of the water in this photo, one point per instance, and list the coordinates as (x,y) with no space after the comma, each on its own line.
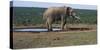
(35,30)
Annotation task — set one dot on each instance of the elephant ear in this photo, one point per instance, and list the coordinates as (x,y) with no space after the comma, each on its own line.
(69,11)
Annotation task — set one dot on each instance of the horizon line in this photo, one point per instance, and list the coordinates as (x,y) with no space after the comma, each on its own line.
(48,4)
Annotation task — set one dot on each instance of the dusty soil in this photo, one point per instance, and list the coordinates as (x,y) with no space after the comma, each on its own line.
(53,39)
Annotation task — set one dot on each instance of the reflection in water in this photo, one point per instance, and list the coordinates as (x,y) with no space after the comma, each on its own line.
(36,30)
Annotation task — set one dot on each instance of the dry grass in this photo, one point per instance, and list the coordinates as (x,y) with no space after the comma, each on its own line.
(52,39)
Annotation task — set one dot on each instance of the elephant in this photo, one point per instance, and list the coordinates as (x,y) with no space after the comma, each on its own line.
(53,14)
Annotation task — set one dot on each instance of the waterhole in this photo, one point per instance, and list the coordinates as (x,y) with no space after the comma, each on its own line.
(46,30)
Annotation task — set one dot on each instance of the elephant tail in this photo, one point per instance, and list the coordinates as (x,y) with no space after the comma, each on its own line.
(44,17)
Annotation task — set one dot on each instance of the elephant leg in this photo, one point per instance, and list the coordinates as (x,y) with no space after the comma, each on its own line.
(63,22)
(62,25)
(66,27)
(49,24)
(50,27)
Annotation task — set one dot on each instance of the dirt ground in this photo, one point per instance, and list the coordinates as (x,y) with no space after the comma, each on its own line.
(54,39)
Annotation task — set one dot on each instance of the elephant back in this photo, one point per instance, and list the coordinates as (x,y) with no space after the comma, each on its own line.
(54,12)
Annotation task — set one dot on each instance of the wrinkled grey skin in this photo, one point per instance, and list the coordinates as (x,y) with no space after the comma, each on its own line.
(53,14)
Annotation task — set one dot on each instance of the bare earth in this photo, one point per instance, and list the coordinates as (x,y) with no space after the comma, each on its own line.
(53,39)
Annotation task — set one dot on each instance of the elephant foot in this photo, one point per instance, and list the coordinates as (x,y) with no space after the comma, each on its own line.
(62,28)
(50,30)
